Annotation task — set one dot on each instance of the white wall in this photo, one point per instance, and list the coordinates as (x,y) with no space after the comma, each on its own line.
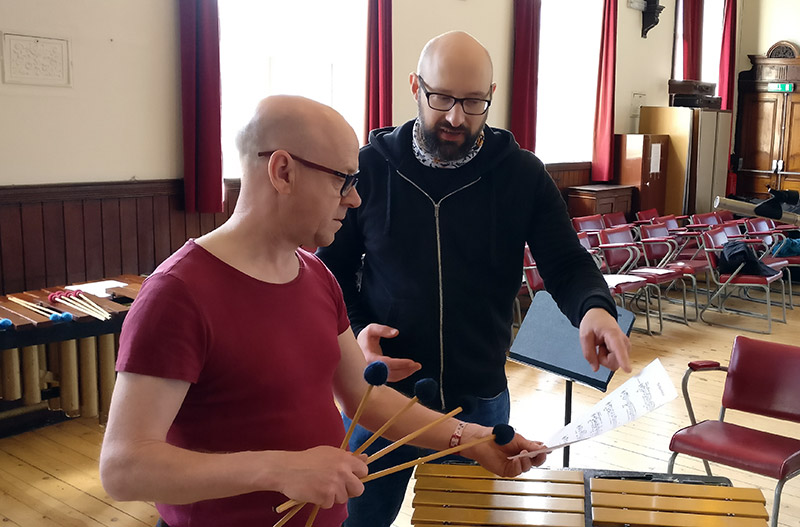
(415,22)
(644,65)
(762,23)
(120,119)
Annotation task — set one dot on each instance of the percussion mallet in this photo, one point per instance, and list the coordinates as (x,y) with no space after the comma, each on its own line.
(51,314)
(91,303)
(376,373)
(501,434)
(5,323)
(72,297)
(424,392)
(466,406)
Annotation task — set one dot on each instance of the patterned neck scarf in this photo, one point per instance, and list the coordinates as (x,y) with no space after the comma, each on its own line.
(429,160)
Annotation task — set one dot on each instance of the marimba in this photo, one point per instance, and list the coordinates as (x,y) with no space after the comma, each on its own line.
(467,495)
(37,354)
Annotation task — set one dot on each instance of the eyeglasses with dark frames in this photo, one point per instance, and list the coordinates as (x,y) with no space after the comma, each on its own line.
(443,103)
(350,180)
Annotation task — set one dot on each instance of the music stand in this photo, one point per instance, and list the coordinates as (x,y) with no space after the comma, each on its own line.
(547,340)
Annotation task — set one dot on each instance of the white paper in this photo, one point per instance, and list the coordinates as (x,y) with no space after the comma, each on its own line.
(655,158)
(636,397)
(97,288)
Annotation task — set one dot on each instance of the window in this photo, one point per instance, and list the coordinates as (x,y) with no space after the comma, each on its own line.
(569,42)
(314,48)
(713,20)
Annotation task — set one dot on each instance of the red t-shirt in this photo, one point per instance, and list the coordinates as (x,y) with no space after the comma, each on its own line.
(260,357)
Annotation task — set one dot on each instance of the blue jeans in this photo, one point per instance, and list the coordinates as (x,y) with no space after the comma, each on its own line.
(379,504)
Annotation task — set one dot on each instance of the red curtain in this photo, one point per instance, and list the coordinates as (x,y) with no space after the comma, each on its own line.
(692,39)
(379,66)
(200,93)
(524,87)
(603,152)
(727,73)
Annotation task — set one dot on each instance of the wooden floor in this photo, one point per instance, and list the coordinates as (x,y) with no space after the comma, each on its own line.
(49,477)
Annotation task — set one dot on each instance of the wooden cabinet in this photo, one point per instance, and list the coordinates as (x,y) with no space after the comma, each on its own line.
(640,160)
(585,200)
(767,145)
(699,150)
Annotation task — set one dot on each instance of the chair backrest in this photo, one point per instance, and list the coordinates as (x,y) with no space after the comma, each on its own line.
(732,230)
(616,258)
(706,218)
(649,214)
(760,225)
(588,223)
(763,378)
(532,276)
(669,220)
(612,219)
(655,251)
(725,215)
(713,240)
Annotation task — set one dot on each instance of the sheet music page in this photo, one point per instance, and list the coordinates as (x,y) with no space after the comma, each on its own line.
(96,288)
(636,397)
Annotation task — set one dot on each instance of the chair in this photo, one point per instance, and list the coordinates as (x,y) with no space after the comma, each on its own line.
(591,224)
(713,241)
(761,379)
(623,255)
(533,280)
(647,215)
(612,219)
(662,249)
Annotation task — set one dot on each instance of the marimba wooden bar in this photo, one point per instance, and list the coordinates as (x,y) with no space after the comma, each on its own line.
(466,495)
(77,356)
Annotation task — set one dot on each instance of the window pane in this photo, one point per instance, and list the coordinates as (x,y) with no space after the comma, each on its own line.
(569,48)
(314,48)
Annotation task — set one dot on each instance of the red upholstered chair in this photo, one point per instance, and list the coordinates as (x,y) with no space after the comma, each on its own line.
(713,241)
(612,219)
(761,379)
(662,249)
(592,224)
(625,256)
(533,280)
(647,215)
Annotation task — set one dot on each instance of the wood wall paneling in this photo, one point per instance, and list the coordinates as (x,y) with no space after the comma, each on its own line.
(93,238)
(52,235)
(33,244)
(11,247)
(112,243)
(54,242)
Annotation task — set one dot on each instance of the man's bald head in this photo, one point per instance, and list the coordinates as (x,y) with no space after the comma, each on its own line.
(300,126)
(456,58)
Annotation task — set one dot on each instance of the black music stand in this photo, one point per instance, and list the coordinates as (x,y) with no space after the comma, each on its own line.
(547,340)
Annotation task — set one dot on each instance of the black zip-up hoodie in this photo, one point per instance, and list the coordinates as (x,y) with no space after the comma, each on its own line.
(442,257)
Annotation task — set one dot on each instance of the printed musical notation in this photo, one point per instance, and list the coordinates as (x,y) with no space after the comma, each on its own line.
(636,397)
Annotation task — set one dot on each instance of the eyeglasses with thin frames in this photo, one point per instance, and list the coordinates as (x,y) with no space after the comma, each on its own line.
(443,103)
(350,180)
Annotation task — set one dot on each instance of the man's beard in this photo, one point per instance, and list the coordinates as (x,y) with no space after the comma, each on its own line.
(448,150)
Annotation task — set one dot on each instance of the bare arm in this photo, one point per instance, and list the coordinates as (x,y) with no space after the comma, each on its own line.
(136,463)
(384,402)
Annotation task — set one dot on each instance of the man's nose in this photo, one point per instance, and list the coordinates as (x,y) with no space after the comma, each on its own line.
(353,199)
(456,116)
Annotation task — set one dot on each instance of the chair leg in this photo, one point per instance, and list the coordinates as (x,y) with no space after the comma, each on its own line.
(776,503)
(671,464)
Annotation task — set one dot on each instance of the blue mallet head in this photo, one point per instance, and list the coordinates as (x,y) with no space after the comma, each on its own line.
(503,434)
(426,390)
(5,323)
(66,317)
(376,373)
(55,317)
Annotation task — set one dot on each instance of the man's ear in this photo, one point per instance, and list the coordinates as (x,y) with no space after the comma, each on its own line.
(413,80)
(281,171)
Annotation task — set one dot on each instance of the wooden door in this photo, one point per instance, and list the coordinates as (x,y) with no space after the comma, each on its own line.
(791,135)
(760,132)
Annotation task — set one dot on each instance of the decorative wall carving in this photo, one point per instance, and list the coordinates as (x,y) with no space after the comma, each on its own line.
(36,60)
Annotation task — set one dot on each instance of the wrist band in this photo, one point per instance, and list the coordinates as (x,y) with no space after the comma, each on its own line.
(455,439)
